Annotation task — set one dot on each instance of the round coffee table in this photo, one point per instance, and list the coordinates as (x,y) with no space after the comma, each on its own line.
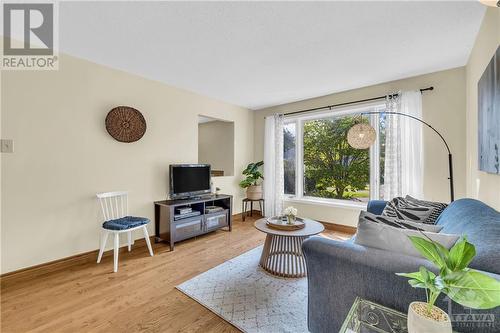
(282,253)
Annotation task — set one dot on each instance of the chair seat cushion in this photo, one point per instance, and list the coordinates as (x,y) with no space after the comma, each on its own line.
(124,223)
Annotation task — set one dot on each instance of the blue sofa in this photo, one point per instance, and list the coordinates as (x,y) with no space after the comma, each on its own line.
(340,271)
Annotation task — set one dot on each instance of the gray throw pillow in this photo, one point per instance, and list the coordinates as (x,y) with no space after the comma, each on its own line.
(438,208)
(404,209)
(395,239)
(403,224)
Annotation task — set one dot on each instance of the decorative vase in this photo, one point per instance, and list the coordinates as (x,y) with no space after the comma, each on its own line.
(418,323)
(254,192)
(290,219)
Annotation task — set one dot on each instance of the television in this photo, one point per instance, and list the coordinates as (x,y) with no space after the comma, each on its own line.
(189,180)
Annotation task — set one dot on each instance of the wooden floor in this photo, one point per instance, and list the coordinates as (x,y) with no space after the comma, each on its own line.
(82,296)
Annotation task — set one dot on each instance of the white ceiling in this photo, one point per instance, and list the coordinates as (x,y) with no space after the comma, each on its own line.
(258,54)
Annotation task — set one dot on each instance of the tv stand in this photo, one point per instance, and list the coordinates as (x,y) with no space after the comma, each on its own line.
(170,230)
(198,197)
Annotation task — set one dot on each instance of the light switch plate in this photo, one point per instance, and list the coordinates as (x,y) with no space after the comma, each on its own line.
(7,145)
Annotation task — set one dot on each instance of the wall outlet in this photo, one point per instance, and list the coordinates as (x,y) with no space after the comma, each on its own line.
(7,145)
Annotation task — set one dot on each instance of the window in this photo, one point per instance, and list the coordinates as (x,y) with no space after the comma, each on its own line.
(289,157)
(320,164)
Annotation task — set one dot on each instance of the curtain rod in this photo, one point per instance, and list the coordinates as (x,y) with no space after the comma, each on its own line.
(352,102)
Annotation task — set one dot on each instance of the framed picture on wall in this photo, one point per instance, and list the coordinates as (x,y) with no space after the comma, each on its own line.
(489,116)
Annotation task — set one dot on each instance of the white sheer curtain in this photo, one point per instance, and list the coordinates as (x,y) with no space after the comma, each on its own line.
(273,165)
(403,147)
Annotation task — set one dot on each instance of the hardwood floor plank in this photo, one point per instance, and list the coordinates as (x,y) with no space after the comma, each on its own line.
(79,295)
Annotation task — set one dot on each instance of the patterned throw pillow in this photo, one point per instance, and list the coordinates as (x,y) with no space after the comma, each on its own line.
(438,208)
(404,209)
(402,224)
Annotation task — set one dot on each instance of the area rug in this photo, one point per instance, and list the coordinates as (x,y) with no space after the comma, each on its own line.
(245,295)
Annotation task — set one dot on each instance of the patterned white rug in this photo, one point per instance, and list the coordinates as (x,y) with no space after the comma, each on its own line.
(245,295)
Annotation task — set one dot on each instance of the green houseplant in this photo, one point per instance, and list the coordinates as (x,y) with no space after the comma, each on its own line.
(463,285)
(252,180)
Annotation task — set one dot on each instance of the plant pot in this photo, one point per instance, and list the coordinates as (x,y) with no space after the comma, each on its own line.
(254,192)
(418,323)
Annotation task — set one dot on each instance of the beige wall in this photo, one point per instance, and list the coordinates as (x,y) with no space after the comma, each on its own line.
(443,108)
(481,185)
(216,145)
(63,154)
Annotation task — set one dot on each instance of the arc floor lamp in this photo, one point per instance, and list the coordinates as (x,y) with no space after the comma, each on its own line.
(362,136)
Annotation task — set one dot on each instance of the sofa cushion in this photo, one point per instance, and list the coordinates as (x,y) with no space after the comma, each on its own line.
(403,224)
(404,209)
(481,224)
(395,239)
(439,207)
(376,206)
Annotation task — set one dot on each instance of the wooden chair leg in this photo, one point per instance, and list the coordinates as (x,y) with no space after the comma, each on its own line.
(129,238)
(104,239)
(116,250)
(146,236)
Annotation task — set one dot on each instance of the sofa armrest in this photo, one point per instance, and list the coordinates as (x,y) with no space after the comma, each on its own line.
(376,206)
(337,272)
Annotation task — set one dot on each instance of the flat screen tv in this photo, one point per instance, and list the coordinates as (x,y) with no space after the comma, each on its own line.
(189,180)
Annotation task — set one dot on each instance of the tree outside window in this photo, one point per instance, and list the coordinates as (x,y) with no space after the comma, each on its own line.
(289,157)
(332,168)
(320,163)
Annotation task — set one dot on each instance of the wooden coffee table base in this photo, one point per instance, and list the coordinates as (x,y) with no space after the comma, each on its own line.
(282,256)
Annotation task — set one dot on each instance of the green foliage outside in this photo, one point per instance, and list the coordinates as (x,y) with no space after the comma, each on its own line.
(289,160)
(332,168)
(465,286)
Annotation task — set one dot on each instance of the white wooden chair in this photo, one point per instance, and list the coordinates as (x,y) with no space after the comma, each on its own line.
(114,207)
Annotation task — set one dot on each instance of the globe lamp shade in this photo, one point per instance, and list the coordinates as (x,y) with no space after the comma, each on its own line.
(361,136)
(491,3)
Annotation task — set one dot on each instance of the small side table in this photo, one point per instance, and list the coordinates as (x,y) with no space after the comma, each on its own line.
(282,252)
(370,317)
(244,206)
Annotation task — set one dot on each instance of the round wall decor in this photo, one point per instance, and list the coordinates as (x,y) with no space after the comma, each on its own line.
(125,124)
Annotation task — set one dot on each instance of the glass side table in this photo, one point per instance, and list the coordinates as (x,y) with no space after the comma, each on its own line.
(369,317)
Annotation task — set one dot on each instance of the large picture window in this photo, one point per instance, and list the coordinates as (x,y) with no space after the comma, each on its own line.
(319,164)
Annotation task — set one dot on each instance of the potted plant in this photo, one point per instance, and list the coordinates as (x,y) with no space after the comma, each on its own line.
(463,285)
(252,180)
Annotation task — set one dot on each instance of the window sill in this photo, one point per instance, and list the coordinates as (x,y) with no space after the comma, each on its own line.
(328,202)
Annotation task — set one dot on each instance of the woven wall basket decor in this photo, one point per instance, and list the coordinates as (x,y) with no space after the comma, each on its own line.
(125,124)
